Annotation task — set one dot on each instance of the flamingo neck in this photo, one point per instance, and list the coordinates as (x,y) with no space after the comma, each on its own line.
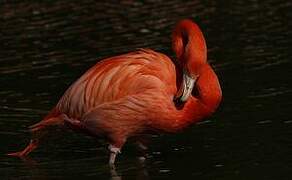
(206,100)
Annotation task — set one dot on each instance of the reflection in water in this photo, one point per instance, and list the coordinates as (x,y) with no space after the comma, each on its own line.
(36,171)
(46,46)
(114,174)
(141,172)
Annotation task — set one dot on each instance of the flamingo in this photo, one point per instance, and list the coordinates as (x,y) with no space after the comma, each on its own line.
(127,95)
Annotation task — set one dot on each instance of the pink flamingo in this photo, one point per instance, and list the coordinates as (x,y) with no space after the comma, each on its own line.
(127,95)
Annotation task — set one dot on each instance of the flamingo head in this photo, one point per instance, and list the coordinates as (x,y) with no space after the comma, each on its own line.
(189,45)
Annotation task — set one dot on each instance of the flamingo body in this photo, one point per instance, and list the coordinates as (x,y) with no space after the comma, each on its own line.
(127,95)
(121,96)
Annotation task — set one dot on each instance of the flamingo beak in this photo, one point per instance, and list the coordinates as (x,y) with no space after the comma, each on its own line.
(186,88)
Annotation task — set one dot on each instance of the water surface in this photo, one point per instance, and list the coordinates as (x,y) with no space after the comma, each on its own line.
(45,46)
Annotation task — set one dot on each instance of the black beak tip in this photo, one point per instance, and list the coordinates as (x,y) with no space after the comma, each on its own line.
(178,102)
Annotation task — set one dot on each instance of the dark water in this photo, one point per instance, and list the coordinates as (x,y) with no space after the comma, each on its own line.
(46,45)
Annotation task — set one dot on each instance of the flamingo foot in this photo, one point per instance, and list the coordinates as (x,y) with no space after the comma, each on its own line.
(32,145)
(16,154)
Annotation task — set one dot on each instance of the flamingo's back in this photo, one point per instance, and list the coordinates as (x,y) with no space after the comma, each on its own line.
(117,77)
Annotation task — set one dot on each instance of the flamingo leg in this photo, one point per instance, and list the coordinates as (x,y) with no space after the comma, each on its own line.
(141,143)
(115,148)
(33,144)
(142,151)
(38,131)
(141,146)
(114,151)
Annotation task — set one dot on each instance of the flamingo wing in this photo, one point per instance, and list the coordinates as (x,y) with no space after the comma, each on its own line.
(118,77)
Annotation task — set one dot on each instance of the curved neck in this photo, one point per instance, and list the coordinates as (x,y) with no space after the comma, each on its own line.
(208,87)
(191,51)
(197,107)
(189,44)
(206,100)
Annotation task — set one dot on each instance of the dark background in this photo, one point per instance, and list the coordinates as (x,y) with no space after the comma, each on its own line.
(46,45)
